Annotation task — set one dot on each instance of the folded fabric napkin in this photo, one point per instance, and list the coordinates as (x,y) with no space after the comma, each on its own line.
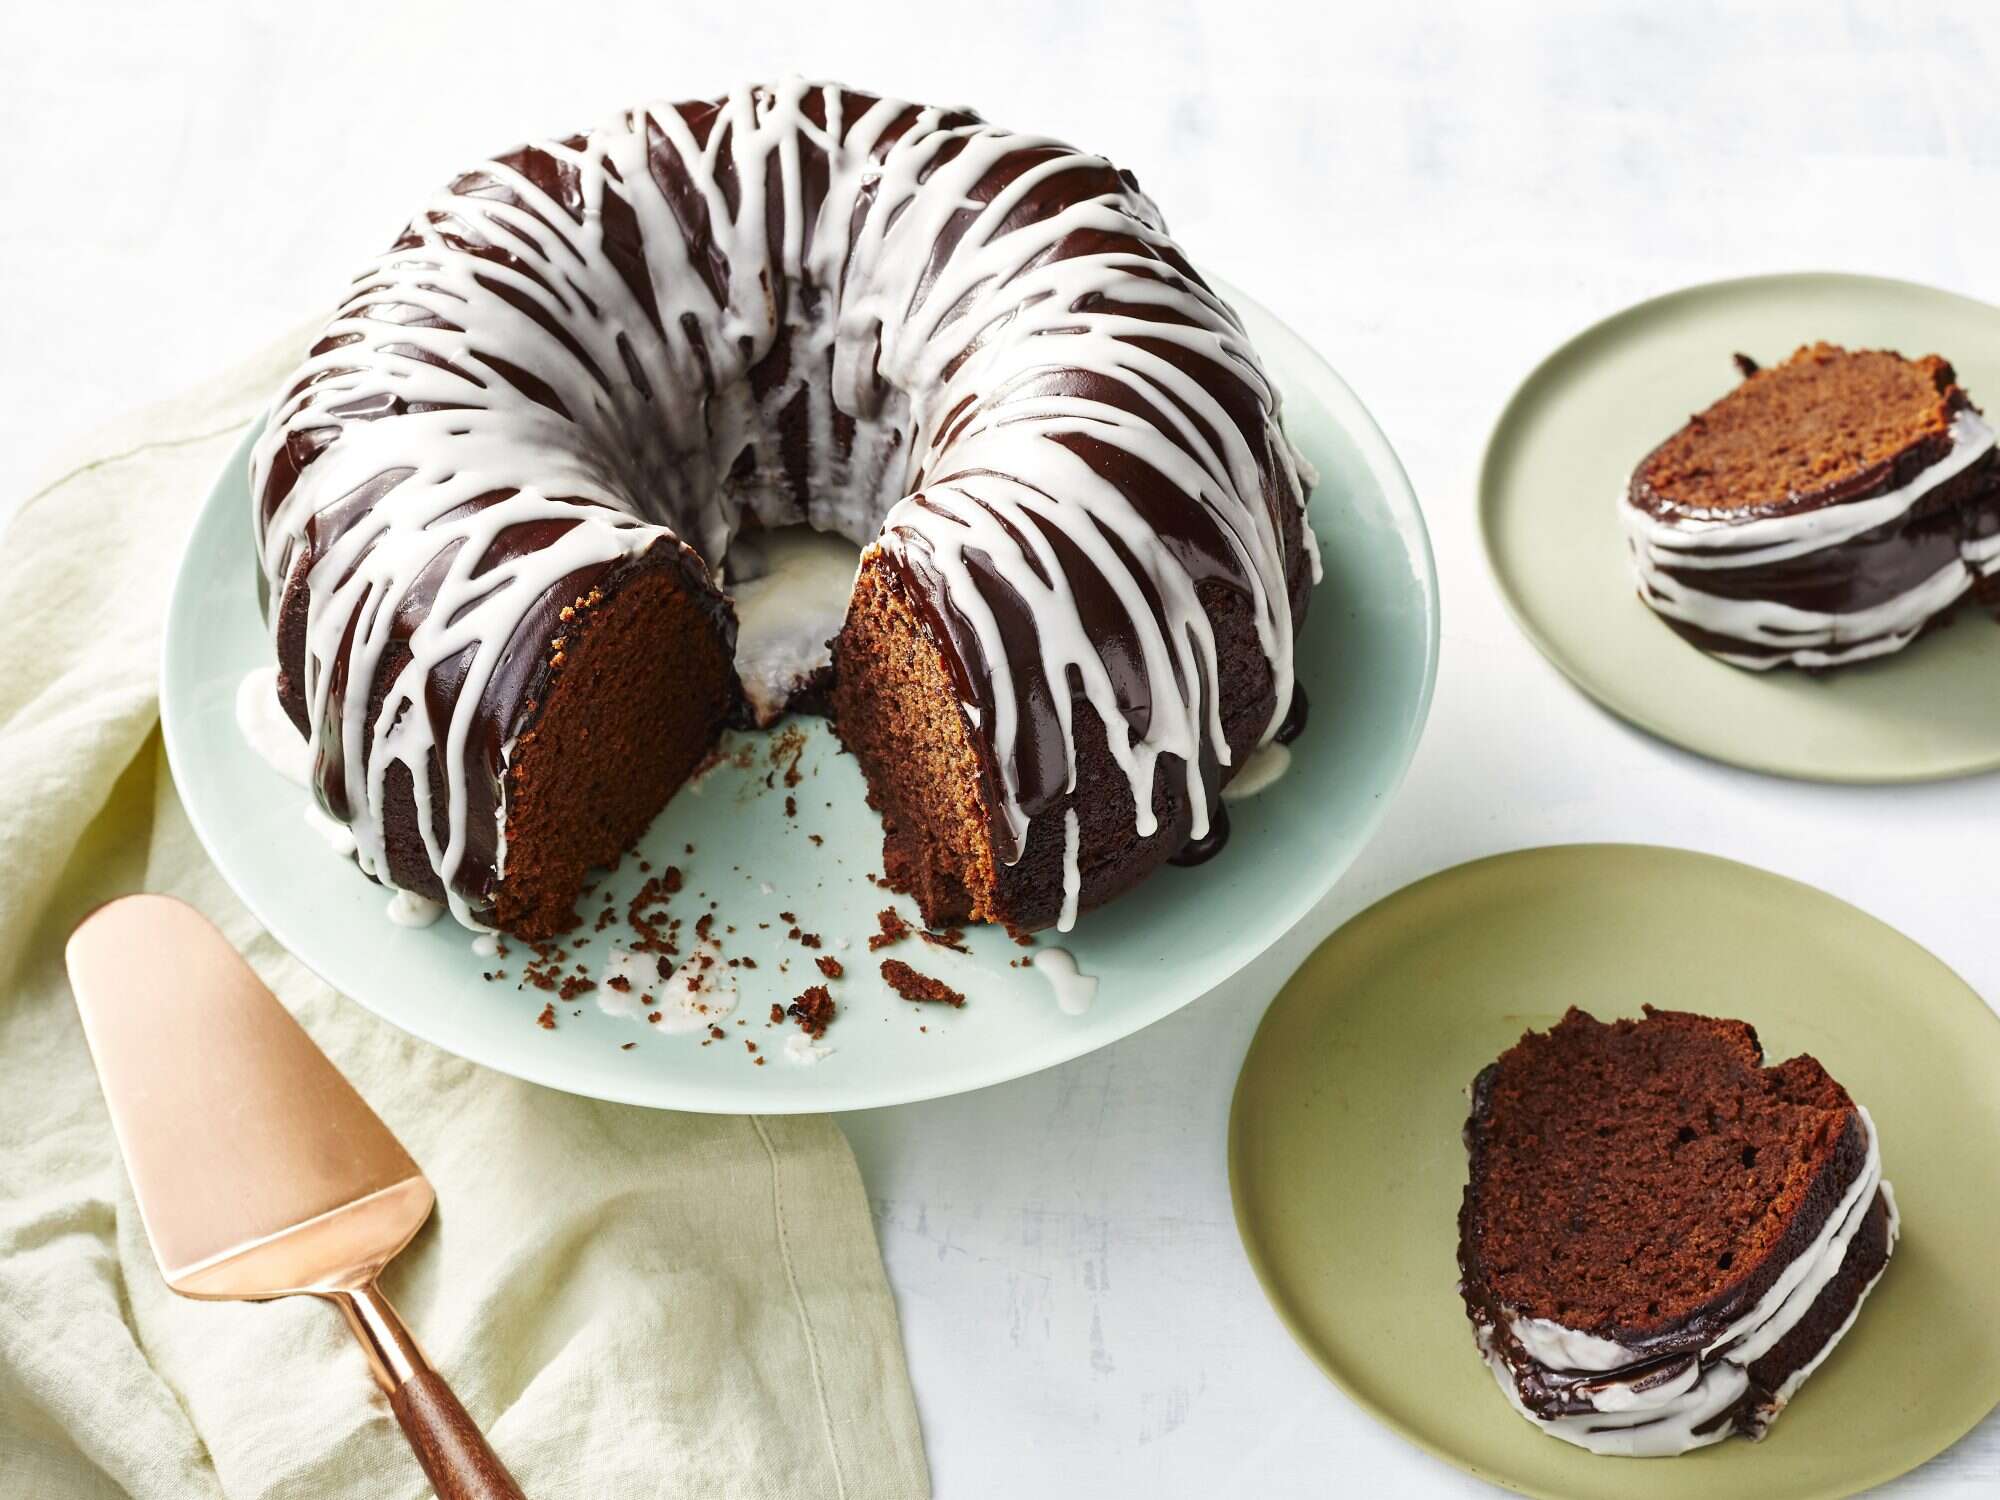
(630,1302)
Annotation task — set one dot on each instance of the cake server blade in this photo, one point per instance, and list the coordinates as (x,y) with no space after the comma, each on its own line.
(259,1171)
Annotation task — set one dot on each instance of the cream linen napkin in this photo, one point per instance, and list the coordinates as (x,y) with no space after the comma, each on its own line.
(630,1302)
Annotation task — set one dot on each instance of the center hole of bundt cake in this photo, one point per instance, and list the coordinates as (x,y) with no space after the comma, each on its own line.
(790,586)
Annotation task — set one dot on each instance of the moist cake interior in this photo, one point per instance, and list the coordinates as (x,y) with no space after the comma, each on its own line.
(640,687)
(1640,1172)
(1822,417)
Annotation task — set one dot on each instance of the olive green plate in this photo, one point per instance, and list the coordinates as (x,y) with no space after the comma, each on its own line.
(1548,492)
(1346,1162)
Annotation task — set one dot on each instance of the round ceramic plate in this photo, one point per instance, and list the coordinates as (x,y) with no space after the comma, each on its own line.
(1347,1166)
(1559,459)
(1367,659)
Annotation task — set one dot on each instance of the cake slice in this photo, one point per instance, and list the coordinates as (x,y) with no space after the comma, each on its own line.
(1661,1238)
(1825,511)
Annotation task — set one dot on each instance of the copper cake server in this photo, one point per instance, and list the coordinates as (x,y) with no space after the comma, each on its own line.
(259,1171)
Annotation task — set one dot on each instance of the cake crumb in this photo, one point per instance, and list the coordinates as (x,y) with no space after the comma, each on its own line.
(547,1019)
(830,966)
(894,928)
(916,987)
(813,1010)
(788,747)
(952,938)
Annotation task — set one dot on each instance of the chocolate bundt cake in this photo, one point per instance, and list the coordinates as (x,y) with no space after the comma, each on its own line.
(1661,1238)
(1825,511)
(496,506)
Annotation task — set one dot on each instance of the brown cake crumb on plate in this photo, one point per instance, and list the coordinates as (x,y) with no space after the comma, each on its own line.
(813,1010)
(911,985)
(894,928)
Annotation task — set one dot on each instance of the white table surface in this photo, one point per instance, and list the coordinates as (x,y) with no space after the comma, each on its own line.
(1435,195)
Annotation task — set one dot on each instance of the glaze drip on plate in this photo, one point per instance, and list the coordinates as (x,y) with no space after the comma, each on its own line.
(972,353)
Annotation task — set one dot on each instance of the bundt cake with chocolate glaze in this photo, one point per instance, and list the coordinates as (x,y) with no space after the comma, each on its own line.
(1828,510)
(496,505)
(1662,1238)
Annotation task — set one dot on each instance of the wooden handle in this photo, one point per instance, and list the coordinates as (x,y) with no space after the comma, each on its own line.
(448,1444)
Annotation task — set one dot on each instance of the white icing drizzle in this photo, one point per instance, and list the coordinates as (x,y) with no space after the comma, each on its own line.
(694,998)
(790,589)
(486,945)
(1072,871)
(1656,1413)
(640,971)
(266,730)
(406,909)
(804,1051)
(1806,638)
(339,838)
(1074,989)
(624,1005)
(1798,1377)
(500,815)
(935,411)
(1262,771)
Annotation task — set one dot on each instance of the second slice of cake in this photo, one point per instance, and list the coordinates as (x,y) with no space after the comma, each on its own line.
(1661,1238)
(1825,511)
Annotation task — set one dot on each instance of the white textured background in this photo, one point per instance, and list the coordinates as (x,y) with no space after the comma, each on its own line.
(1435,195)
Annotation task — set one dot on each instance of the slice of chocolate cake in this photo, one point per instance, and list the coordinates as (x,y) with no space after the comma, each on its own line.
(1661,1238)
(1825,511)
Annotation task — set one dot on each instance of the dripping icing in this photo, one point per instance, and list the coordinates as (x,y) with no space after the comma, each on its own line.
(266,730)
(407,909)
(1072,875)
(337,835)
(1074,989)
(1199,851)
(1262,771)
